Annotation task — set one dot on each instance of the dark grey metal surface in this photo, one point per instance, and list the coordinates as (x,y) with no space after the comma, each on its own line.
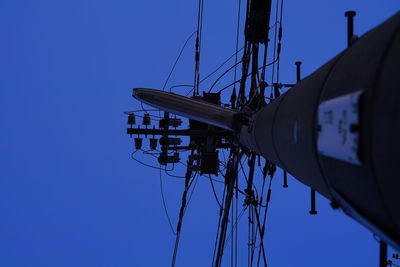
(360,69)
(285,131)
(275,126)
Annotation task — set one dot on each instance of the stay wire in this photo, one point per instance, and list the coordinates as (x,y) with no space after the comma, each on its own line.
(213,189)
(232,243)
(221,65)
(245,176)
(236,49)
(219,226)
(180,85)
(279,42)
(237,219)
(229,85)
(248,239)
(182,212)
(157,168)
(265,215)
(261,239)
(222,75)
(230,177)
(265,51)
(254,234)
(198,47)
(177,59)
(195,179)
(254,72)
(261,195)
(241,99)
(237,223)
(145,164)
(275,43)
(164,203)
(140,110)
(210,74)
(264,62)
(236,187)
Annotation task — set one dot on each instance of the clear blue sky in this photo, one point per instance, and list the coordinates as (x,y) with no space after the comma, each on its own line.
(69,193)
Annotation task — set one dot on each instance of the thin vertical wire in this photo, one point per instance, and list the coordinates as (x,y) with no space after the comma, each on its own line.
(198,47)
(237,38)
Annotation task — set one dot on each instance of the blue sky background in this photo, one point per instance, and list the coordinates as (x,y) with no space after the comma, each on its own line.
(69,193)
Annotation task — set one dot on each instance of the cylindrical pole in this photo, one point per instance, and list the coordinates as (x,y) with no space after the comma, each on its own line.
(350,25)
(298,74)
(313,210)
(382,254)
(357,168)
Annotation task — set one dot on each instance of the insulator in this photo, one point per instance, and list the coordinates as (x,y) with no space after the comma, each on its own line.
(172,122)
(131,119)
(272,169)
(209,163)
(195,168)
(195,157)
(176,157)
(146,119)
(164,159)
(153,143)
(138,142)
(171,141)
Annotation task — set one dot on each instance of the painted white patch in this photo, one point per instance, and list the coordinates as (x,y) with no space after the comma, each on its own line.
(336,117)
(295,131)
